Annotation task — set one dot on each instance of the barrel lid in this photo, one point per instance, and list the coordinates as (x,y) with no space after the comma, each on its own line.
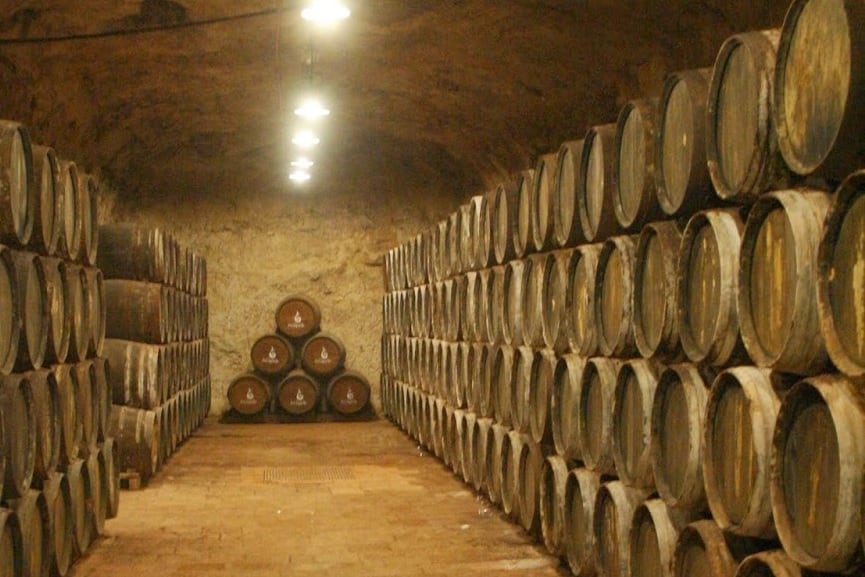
(298,316)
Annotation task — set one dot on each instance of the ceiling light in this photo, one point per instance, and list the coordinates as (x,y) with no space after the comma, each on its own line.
(311,109)
(299,176)
(302,163)
(305,139)
(325,12)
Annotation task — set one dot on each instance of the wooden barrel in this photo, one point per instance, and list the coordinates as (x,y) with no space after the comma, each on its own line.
(139,311)
(614,297)
(512,449)
(45,397)
(501,383)
(60,310)
(533,301)
(551,503)
(487,321)
(81,492)
(524,233)
(774,563)
(481,357)
(597,187)
(456,432)
(524,367)
(505,215)
(481,438)
(88,216)
(71,427)
(10,322)
(702,548)
(98,503)
(741,147)
(656,332)
(70,241)
(85,375)
(565,407)
(96,310)
(272,355)
(597,391)
(101,396)
(495,450)
(555,287)
(566,219)
(513,293)
(10,543)
(580,300)
(468,443)
(496,305)
(466,239)
(540,396)
(49,202)
(16,201)
(482,231)
(138,373)
(132,253)
(653,536)
(581,491)
(632,422)
(297,393)
(59,499)
(33,310)
(818,88)
(19,435)
(677,437)
(454,240)
(777,301)
(35,523)
(681,174)
(112,474)
(817,473)
(615,507)
(529,462)
(455,292)
(470,307)
(348,393)
(248,394)
(323,355)
(707,273)
(740,419)
(461,375)
(634,200)
(841,277)
(171,253)
(543,189)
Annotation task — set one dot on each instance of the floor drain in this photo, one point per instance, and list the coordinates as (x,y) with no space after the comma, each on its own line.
(307,474)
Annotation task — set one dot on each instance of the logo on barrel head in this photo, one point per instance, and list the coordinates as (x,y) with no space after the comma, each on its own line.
(297,318)
(299,395)
(250,397)
(271,357)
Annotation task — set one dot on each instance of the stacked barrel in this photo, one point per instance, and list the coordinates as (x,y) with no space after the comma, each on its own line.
(157,343)
(298,372)
(58,461)
(649,349)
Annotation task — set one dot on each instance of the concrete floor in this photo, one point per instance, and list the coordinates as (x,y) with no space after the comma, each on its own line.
(335,499)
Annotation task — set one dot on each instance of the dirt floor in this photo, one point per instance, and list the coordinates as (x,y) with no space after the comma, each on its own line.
(336,499)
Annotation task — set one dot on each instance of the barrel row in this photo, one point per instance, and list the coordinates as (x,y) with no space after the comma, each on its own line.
(153,255)
(153,313)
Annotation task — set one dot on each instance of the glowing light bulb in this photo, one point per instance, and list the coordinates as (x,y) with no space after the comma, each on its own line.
(311,110)
(299,176)
(302,163)
(325,12)
(305,139)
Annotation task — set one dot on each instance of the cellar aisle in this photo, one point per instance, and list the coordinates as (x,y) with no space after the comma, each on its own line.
(338,499)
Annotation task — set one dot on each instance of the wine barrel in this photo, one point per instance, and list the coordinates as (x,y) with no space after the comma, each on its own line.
(323,355)
(512,449)
(112,475)
(348,393)
(133,253)
(566,218)
(59,499)
(85,375)
(49,201)
(81,492)
(529,462)
(481,357)
(505,215)
(841,277)
(581,491)
(533,301)
(248,394)
(564,405)
(70,241)
(554,295)
(543,189)
(461,375)
(495,450)
(551,503)
(615,507)
(19,435)
(35,523)
(580,300)
(681,174)
(297,393)
(272,355)
(454,240)
(741,147)
(707,288)
(96,310)
(455,293)
(703,549)
(138,373)
(597,391)
(10,321)
(740,418)
(513,293)
(653,535)
(482,225)
(540,396)
(636,384)
(525,364)
(466,239)
(502,383)
(467,467)
(524,233)
(10,543)
(33,310)
(818,460)
(614,297)
(496,305)
(774,563)
(469,308)
(634,198)
(88,216)
(46,413)
(101,397)
(818,88)
(98,503)
(481,438)
(454,440)
(60,310)
(16,201)
(656,332)
(489,319)
(677,437)
(139,311)
(71,427)
(171,253)
(597,187)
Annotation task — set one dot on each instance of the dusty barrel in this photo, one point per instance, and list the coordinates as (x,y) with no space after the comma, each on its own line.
(60,310)
(98,503)
(101,396)
(741,147)
(133,253)
(566,218)
(615,506)
(248,394)
(841,277)
(59,499)
(677,437)
(656,331)
(681,175)
(551,502)
(501,383)
(533,300)
(597,187)
(530,461)
(614,297)
(454,296)
(513,303)
(774,563)
(453,242)
(33,310)
(505,216)
(35,523)
(81,493)
(481,438)
(524,232)
(512,449)
(112,474)
(817,473)
(580,300)
(555,286)
(481,357)
(88,189)
(85,375)
(565,405)
(16,199)
(540,396)
(70,241)
(581,491)
(10,543)
(138,373)
(597,391)
(468,458)
(636,384)
(819,89)
(487,321)
(454,440)
(323,355)
(703,549)
(272,355)
(19,435)
(740,419)
(470,308)
(348,393)
(49,201)
(635,200)
(495,450)
(496,304)
(526,361)
(707,273)
(71,429)
(466,239)
(461,375)
(139,311)
(482,230)
(543,189)
(297,393)
(10,322)
(45,397)
(653,535)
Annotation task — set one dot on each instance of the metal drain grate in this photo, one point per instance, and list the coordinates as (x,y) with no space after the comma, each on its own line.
(307,474)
